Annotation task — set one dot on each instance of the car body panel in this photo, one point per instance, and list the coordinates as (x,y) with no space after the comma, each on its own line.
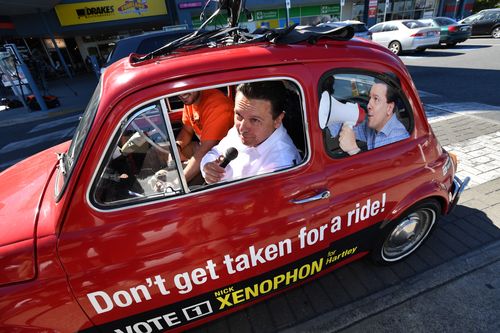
(19,214)
(178,261)
(484,22)
(451,31)
(399,32)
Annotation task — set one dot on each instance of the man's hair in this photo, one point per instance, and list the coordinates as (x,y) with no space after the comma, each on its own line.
(272,91)
(391,94)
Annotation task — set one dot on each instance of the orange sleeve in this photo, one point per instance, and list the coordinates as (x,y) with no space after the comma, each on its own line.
(185,115)
(218,116)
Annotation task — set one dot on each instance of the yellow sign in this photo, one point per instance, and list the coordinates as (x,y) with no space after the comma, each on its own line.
(109,10)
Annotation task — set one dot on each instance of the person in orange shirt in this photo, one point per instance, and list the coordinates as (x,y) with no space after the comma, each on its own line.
(209,115)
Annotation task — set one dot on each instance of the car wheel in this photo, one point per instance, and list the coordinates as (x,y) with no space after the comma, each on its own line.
(403,236)
(395,47)
(451,44)
(496,32)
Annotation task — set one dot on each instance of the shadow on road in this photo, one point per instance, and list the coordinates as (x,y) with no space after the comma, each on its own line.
(463,231)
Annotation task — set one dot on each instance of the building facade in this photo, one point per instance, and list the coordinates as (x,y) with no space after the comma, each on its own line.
(74,30)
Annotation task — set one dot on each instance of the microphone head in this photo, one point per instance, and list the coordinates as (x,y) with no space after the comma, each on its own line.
(231,153)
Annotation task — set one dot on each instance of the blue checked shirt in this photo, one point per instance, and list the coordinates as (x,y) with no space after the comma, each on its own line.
(393,131)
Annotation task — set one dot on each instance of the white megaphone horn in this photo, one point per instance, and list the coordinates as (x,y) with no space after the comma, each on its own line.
(333,111)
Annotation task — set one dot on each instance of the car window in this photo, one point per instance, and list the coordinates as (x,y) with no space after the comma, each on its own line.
(429,23)
(413,24)
(359,27)
(490,16)
(376,28)
(140,163)
(153,43)
(445,21)
(344,100)
(390,27)
(143,162)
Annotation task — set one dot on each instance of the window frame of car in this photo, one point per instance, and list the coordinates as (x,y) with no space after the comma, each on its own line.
(388,78)
(186,190)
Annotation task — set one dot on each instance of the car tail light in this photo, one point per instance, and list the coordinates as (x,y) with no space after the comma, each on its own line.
(418,34)
(452,28)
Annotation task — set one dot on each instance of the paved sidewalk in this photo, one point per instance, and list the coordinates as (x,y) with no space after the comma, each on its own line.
(73,95)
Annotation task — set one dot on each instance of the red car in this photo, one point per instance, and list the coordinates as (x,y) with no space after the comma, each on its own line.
(103,233)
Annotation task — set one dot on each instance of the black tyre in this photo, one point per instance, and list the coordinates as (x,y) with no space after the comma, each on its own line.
(402,237)
(395,47)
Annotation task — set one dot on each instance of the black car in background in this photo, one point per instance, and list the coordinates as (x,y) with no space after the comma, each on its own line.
(451,31)
(142,44)
(486,22)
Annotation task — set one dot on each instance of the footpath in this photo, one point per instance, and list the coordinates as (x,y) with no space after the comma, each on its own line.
(452,283)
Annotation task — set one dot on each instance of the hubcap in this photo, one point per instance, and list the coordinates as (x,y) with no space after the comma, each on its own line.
(394,48)
(496,33)
(408,234)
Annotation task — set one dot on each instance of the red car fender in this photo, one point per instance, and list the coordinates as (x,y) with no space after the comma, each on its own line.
(429,190)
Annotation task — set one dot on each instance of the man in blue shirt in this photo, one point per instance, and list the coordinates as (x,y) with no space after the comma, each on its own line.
(382,126)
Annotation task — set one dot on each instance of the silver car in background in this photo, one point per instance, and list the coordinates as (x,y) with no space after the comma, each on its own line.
(405,35)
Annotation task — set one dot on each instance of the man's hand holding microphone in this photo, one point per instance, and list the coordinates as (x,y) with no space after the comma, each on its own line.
(214,171)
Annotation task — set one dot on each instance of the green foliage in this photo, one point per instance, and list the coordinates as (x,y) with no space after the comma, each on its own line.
(485,4)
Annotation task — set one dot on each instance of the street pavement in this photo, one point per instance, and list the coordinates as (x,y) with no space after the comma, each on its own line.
(452,283)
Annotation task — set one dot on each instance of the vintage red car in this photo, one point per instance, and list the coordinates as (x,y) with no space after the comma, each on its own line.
(87,243)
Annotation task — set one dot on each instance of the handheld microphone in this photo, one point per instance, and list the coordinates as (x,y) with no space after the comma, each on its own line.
(231,154)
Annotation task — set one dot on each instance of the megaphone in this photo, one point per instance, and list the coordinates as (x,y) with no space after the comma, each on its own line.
(333,111)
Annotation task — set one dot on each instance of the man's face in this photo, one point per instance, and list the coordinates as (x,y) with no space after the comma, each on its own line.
(190,98)
(253,120)
(379,111)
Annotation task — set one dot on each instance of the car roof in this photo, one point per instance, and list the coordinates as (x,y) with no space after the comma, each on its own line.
(124,76)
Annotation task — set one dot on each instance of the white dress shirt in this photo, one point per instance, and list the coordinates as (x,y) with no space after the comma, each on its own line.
(276,152)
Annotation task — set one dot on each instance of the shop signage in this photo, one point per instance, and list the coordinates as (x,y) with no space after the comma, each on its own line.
(109,10)
(190,4)
(372,8)
(329,9)
(266,14)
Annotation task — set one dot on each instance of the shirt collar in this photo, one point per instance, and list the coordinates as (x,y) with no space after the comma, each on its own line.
(389,125)
(268,144)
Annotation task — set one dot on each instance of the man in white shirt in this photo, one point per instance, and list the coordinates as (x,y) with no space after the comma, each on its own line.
(258,135)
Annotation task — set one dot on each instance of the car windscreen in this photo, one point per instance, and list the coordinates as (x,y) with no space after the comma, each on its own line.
(413,24)
(81,133)
(359,27)
(153,43)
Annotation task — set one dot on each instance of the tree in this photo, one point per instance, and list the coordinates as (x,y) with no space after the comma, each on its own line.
(485,4)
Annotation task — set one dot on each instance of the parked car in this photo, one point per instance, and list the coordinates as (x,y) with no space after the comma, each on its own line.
(405,35)
(451,31)
(486,22)
(142,44)
(360,29)
(89,242)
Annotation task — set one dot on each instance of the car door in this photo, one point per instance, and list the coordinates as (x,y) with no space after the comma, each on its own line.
(367,186)
(140,259)
(484,24)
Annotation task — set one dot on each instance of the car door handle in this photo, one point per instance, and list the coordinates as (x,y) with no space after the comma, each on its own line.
(320,196)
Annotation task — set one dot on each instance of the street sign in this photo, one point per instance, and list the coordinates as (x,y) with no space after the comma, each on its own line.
(287,4)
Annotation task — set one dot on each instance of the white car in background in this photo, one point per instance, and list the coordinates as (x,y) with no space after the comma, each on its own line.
(405,35)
